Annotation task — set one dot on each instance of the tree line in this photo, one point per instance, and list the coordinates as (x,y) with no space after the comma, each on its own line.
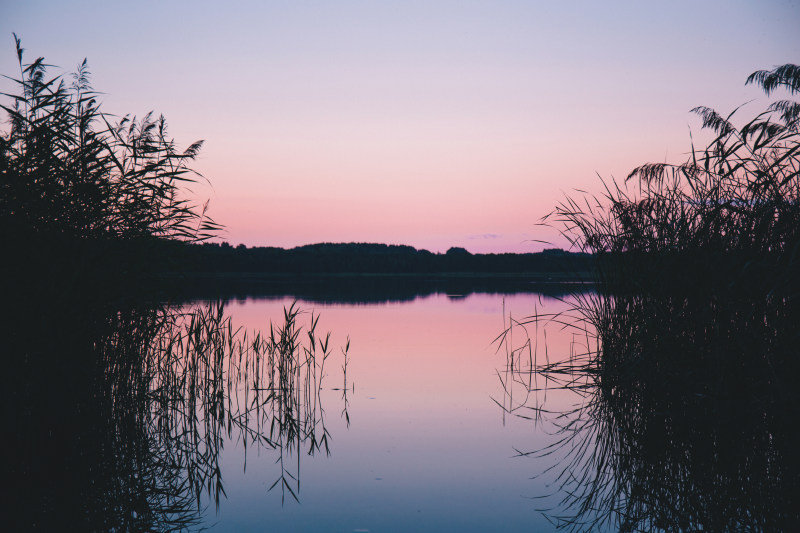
(364,258)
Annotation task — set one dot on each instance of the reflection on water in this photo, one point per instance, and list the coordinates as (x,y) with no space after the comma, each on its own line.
(427,449)
(118,418)
(688,418)
(364,289)
(635,413)
(152,417)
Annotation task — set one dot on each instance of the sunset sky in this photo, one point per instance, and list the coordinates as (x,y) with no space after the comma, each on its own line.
(428,123)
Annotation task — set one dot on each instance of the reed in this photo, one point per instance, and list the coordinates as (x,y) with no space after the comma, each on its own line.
(208,379)
(85,197)
(684,414)
(683,361)
(137,403)
(127,402)
(729,214)
(69,169)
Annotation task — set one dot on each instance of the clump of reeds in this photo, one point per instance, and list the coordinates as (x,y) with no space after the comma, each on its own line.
(685,403)
(683,417)
(84,197)
(67,169)
(126,404)
(730,212)
(120,416)
(214,381)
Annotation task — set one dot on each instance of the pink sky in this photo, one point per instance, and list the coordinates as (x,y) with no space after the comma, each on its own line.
(433,124)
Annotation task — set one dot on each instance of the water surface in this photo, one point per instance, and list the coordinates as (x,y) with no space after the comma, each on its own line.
(427,447)
(678,415)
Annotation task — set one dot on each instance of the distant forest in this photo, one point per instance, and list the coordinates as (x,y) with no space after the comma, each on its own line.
(365,258)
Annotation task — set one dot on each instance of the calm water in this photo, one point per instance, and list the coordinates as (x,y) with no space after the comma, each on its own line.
(134,417)
(427,447)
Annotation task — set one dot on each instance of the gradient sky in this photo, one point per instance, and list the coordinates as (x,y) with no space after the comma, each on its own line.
(427,123)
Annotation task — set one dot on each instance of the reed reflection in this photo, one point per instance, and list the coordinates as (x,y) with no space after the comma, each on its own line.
(118,419)
(688,419)
(688,412)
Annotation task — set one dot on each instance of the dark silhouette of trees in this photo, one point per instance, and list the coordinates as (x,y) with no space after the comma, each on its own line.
(369,258)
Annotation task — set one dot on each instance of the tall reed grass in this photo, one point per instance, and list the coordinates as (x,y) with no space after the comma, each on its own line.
(203,372)
(683,414)
(70,169)
(84,196)
(682,363)
(131,410)
(729,214)
(118,410)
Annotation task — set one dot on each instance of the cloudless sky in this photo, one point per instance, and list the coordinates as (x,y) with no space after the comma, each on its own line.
(429,123)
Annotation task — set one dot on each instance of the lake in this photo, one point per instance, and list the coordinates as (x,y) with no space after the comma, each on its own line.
(417,413)
(427,447)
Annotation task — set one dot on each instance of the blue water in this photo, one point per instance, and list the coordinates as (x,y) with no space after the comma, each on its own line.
(428,448)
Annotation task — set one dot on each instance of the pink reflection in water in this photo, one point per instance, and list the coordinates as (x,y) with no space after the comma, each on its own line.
(428,448)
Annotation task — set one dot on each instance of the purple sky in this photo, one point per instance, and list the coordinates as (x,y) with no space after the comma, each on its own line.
(433,124)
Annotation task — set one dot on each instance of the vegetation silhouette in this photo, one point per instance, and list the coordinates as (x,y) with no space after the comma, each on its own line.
(120,416)
(117,402)
(729,215)
(83,198)
(69,171)
(684,417)
(370,258)
(683,359)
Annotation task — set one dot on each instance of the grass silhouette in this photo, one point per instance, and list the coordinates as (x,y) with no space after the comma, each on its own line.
(683,360)
(119,402)
(68,170)
(729,214)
